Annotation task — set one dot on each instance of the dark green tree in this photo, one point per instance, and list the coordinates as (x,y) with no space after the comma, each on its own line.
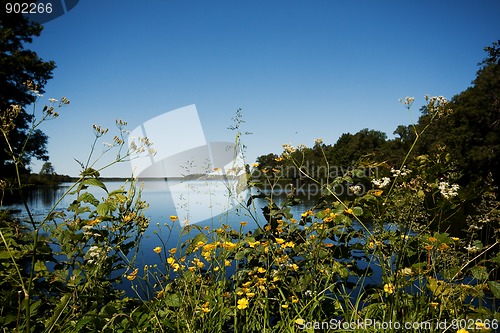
(23,75)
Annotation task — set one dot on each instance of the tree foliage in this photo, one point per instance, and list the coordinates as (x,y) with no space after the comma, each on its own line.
(23,75)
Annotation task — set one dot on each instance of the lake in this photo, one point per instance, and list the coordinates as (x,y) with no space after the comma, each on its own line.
(204,203)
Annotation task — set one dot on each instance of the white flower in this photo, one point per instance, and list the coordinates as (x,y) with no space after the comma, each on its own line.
(407,101)
(53,100)
(289,148)
(403,172)
(356,189)
(318,141)
(448,191)
(381,183)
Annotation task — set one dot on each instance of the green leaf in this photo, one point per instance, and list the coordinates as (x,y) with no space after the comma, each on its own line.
(173,300)
(480,273)
(89,198)
(495,288)
(95,182)
(198,238)
(102,209)
(358,211)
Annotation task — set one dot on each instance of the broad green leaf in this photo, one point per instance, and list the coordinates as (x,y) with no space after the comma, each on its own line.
(95,182)
(89,198)
(495,288)
(102,209)
(173,300)
(479,272)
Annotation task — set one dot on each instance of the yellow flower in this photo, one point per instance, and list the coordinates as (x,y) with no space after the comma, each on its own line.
(349,211)
(157,249)
(280,240)
(462,330)
(455,239)
(243,223)
(176,267)
(172,250)
(133,274)
(128,217)
(173,218)
(227,263)
(479,325)
(261,270)
(255,165)
(299,321)
(428,247)
(284,306)
(432,239)
(242,304)
(250,295)
(434,304)
(170,260)
(378,193)
(278,159)
(389,288)
(252,244)
(295,299)
(205,307)
(444,247)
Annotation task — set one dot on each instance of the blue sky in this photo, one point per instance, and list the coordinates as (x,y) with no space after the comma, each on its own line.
(299,70)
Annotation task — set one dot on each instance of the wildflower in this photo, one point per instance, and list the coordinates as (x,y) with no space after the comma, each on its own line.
(307,213)
(428,247)
(261,270)
(243,223)
(284,306)
(53,100)
(279,159)
(444,247)
(356,189)
(378,193)
(349,211)
(448,191)
(299,321)
(255,165)
(295,299)
(279,240)
(176,267)
(462,330)
(479,325)
(242,303)
(389,288)
(157,249)
(434,304)
(173,218)
(432,239)
(253,244)
(250,295)
(132,275)
(381,183)
(455,239)
(407,101)
(205,307)
(318,141)
(227,263)
(172,250)
(289,148)
(170,260)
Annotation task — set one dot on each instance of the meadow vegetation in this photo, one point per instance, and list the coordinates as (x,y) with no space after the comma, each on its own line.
(385,245)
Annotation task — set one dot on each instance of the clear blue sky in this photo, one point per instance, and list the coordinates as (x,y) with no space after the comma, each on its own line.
(299,70)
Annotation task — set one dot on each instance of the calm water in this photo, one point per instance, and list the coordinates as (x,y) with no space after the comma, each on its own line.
(206,203)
